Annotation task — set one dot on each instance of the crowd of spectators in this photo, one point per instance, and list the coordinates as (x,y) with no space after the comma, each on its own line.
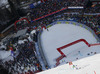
(53,5)
(26,61)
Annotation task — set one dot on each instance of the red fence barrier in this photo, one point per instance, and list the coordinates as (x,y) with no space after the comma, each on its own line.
(72,43)
(50,14)
(94,44)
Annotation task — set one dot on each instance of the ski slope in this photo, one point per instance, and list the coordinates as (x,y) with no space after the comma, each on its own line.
(62,34)
(88,65)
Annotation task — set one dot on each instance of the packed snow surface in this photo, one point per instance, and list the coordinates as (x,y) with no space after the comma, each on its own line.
(88,65)
(62,34)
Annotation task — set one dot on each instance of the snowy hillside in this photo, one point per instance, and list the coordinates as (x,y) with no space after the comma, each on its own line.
(89,65)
